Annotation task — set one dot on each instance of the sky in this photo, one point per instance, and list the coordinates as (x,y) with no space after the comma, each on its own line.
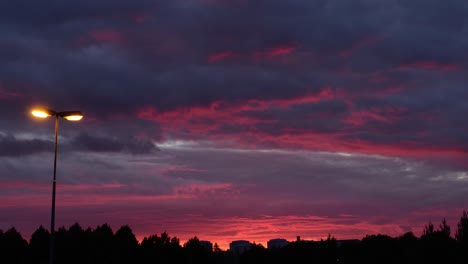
(236,119)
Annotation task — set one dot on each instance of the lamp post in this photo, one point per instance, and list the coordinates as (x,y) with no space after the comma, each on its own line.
(71,116)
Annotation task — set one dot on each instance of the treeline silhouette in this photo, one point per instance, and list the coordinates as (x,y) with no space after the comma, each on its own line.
(101,245)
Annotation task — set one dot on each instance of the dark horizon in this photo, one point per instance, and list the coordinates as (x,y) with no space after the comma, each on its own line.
(103,245)
(459,232)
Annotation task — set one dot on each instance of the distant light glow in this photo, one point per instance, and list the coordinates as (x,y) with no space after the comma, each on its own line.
(40,113)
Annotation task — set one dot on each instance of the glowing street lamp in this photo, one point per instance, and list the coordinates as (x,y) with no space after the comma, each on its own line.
(71,116)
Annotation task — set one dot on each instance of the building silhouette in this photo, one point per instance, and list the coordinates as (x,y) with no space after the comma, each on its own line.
(277,243)
(207,245)
(239,246)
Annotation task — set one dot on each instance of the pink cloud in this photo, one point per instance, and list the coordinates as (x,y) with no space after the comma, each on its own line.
(6,95)
(165,170)
(204,190)
(207,205)
(23,185)
(263,228)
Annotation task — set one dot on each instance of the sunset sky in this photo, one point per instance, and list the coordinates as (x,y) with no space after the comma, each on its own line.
(236,119)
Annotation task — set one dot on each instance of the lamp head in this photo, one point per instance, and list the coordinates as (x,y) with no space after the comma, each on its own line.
(71,115)
(42,112)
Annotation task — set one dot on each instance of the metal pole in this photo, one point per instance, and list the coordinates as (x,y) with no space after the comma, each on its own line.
(52,218)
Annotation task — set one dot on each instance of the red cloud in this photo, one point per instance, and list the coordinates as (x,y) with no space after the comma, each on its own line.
(220,110)
(363,43)
(389,90)
(249,125)
(383,114)
(220,56)
(139,18)
(275,52)
(208,120)
(267,54)
(106,35)
(100,36)
(430,66)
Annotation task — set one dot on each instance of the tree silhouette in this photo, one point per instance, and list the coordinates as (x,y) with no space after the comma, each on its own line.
(39,246)
(216,248)
(221,256)
(408,248)
(256,254)
(161,249)
(71,246)
(61,246)
(76,245)
(461,235)
(437,245)
(462,228)
(2,243)
(14,247)
(195,252)
(301,251)
(328,250)
(379,249)
(88,245)
(126,245)
(444,229)
(428,229)
(103,244)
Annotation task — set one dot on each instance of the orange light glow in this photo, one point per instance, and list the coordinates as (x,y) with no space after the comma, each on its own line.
(40,113)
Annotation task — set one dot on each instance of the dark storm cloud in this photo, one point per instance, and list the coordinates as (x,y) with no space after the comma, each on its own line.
(302,110)
(85,142)
(33,14)
(317,25)
(426,116)
(107,70)
(13,147)
(428,29)
(113,57)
